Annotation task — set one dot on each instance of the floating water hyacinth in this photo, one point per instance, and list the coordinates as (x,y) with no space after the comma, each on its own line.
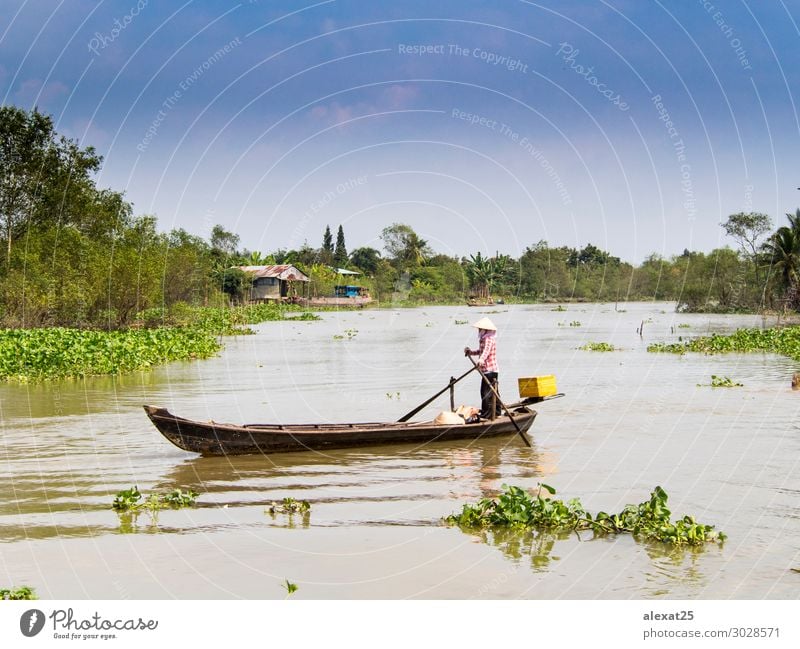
(781,340)
(649,520)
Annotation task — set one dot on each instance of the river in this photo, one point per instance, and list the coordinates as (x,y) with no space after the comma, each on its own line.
(630,420)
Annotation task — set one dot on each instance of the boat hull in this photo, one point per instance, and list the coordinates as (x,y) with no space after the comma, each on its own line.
(212,438)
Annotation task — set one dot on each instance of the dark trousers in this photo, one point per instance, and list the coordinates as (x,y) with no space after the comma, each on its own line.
(487,396)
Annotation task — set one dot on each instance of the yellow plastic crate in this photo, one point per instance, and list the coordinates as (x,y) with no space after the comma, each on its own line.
(537,386)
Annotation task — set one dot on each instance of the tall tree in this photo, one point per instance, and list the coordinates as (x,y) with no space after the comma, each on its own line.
(44,178)
(366,259)
(405,247)
(224,243)
(746,229)
(340,254)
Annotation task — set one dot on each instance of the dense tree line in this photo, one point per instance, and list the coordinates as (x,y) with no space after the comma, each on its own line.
(764,273)
(76,255)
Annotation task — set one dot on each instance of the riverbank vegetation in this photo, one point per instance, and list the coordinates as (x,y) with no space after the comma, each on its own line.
(648,521)
(75,255)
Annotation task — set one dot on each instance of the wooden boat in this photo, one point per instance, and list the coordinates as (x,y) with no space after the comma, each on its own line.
(212,438)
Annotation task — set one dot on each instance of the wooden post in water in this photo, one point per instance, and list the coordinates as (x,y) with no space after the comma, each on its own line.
(452,394)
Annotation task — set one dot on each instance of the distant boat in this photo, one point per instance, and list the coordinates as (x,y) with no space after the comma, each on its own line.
(212,438)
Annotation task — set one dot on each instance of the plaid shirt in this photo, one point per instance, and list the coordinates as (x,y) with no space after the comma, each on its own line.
(487,352)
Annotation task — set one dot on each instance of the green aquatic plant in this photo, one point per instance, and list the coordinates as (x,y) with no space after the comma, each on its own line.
(779,340)
(127,499)
(289,506)
(131,500)
(598,347)
(460,322)
(721,382)
(304,316)
(575,323)
(183,334)
(129,504)
(349,334)
(649,521)
(42,354)
(178,498)
(290,588)
(558,308)
(20,592)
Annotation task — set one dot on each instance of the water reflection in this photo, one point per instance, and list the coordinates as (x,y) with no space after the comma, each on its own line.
(680,566)
(367,476)
(535,545)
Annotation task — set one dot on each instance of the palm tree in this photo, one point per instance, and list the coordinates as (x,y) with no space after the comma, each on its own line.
(479,274)
(484,274)
(417,250)
(255,259)
(794,220)
(784,249)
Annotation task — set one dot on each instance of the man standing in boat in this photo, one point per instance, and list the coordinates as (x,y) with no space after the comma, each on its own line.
(487,362)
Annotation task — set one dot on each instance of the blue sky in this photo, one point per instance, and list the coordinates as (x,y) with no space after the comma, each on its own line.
(638,126)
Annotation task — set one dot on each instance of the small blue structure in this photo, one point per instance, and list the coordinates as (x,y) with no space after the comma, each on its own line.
(348,291)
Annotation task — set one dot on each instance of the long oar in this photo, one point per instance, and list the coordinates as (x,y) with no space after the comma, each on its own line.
(409,415)
(497,396)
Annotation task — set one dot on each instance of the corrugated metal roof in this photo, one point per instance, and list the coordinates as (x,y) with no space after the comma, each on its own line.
(285,272)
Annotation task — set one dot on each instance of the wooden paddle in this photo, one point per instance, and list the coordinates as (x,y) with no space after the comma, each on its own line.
(497,396)
(409,415)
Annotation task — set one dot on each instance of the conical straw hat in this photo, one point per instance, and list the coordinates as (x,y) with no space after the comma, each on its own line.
(485,323)
(448,418)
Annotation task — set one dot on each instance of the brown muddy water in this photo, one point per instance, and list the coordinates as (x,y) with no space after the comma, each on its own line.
(630,421)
